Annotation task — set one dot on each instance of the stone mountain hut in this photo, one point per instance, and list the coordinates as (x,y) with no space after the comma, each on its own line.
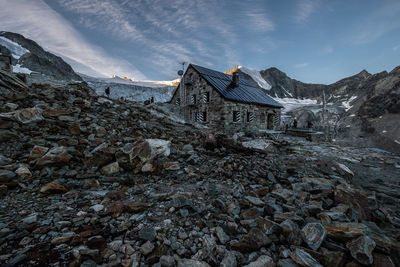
(225,102)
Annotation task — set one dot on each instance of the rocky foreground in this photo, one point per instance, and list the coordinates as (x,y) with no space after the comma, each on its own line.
(87,181)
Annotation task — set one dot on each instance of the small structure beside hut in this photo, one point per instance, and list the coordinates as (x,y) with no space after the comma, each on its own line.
(225,102)
(5,63)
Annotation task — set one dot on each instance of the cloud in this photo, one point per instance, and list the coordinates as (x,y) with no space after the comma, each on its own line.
(301,65)
(259,21)
(378,23)
(37,21)
(305,9)
(396,48)
(172,31)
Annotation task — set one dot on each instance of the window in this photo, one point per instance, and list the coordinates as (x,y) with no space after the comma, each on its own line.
(236,116)
(178,102)
(193,99)
(206,97)
(203,116)
(250,116)
(195,116)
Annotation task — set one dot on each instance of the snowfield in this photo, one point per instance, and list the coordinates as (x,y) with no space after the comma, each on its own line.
(17,68)
(16,50)
(256,76)
(346,104)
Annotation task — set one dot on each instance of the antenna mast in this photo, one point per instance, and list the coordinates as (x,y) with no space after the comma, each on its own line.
(182,91)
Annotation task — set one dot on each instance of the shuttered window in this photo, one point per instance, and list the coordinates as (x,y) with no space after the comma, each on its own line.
(203,116)
(206,97)
(178,102)
(193,99)
(195,116)
(250,116)
(236,116)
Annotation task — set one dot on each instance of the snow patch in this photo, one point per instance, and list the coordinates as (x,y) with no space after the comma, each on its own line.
(346,104)
(398,142)
(16,50)
(17,68)
(384,131)
(256,76)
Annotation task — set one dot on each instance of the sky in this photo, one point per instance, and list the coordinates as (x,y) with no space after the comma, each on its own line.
(314,41)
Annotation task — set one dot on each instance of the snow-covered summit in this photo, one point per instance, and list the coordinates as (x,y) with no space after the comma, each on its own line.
(256,76)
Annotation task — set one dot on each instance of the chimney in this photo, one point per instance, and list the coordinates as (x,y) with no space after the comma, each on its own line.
(235,79)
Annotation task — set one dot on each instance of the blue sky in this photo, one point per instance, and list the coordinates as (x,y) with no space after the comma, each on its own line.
(315,41)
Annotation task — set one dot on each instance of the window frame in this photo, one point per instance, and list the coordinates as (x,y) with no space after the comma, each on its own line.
(238,116)
(248,116)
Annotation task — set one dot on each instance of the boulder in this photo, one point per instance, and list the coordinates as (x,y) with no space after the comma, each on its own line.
(192,263)
(262,261)
(6,176)
(149,150)
(303,258)
(55,156)
(38,152)
(53,188)
(361,249)
(23,171)
(313,234)
(28,115)
(110,168)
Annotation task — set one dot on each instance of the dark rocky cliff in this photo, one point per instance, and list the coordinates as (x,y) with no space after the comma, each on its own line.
(39,60)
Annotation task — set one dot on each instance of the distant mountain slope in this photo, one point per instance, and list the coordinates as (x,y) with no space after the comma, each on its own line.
(30,56)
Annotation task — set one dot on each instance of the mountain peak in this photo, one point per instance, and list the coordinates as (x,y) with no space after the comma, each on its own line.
(364,73)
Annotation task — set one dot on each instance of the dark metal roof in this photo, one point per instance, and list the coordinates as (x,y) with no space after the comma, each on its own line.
(245,92)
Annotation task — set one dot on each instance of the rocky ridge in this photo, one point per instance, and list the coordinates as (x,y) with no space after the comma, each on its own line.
(39,60)
(97,181)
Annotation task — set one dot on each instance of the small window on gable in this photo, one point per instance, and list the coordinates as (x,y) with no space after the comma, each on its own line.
(193,99)
(236,116)
(178,102)
(250,116)
(206,97)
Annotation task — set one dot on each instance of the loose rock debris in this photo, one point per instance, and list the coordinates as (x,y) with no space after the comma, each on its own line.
(88,182)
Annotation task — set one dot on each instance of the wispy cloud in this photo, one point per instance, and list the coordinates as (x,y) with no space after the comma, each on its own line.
(378,23)
(301,65)
(396,48)
(305,8)
(174,33)
(259,20)
(36,20)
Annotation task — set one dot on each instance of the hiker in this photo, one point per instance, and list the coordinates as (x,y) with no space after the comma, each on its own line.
(107,91)
(295,123)
(309,125)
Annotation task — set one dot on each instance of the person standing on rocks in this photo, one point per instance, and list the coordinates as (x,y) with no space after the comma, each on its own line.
(309,125)
(107,91)
(295,123)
